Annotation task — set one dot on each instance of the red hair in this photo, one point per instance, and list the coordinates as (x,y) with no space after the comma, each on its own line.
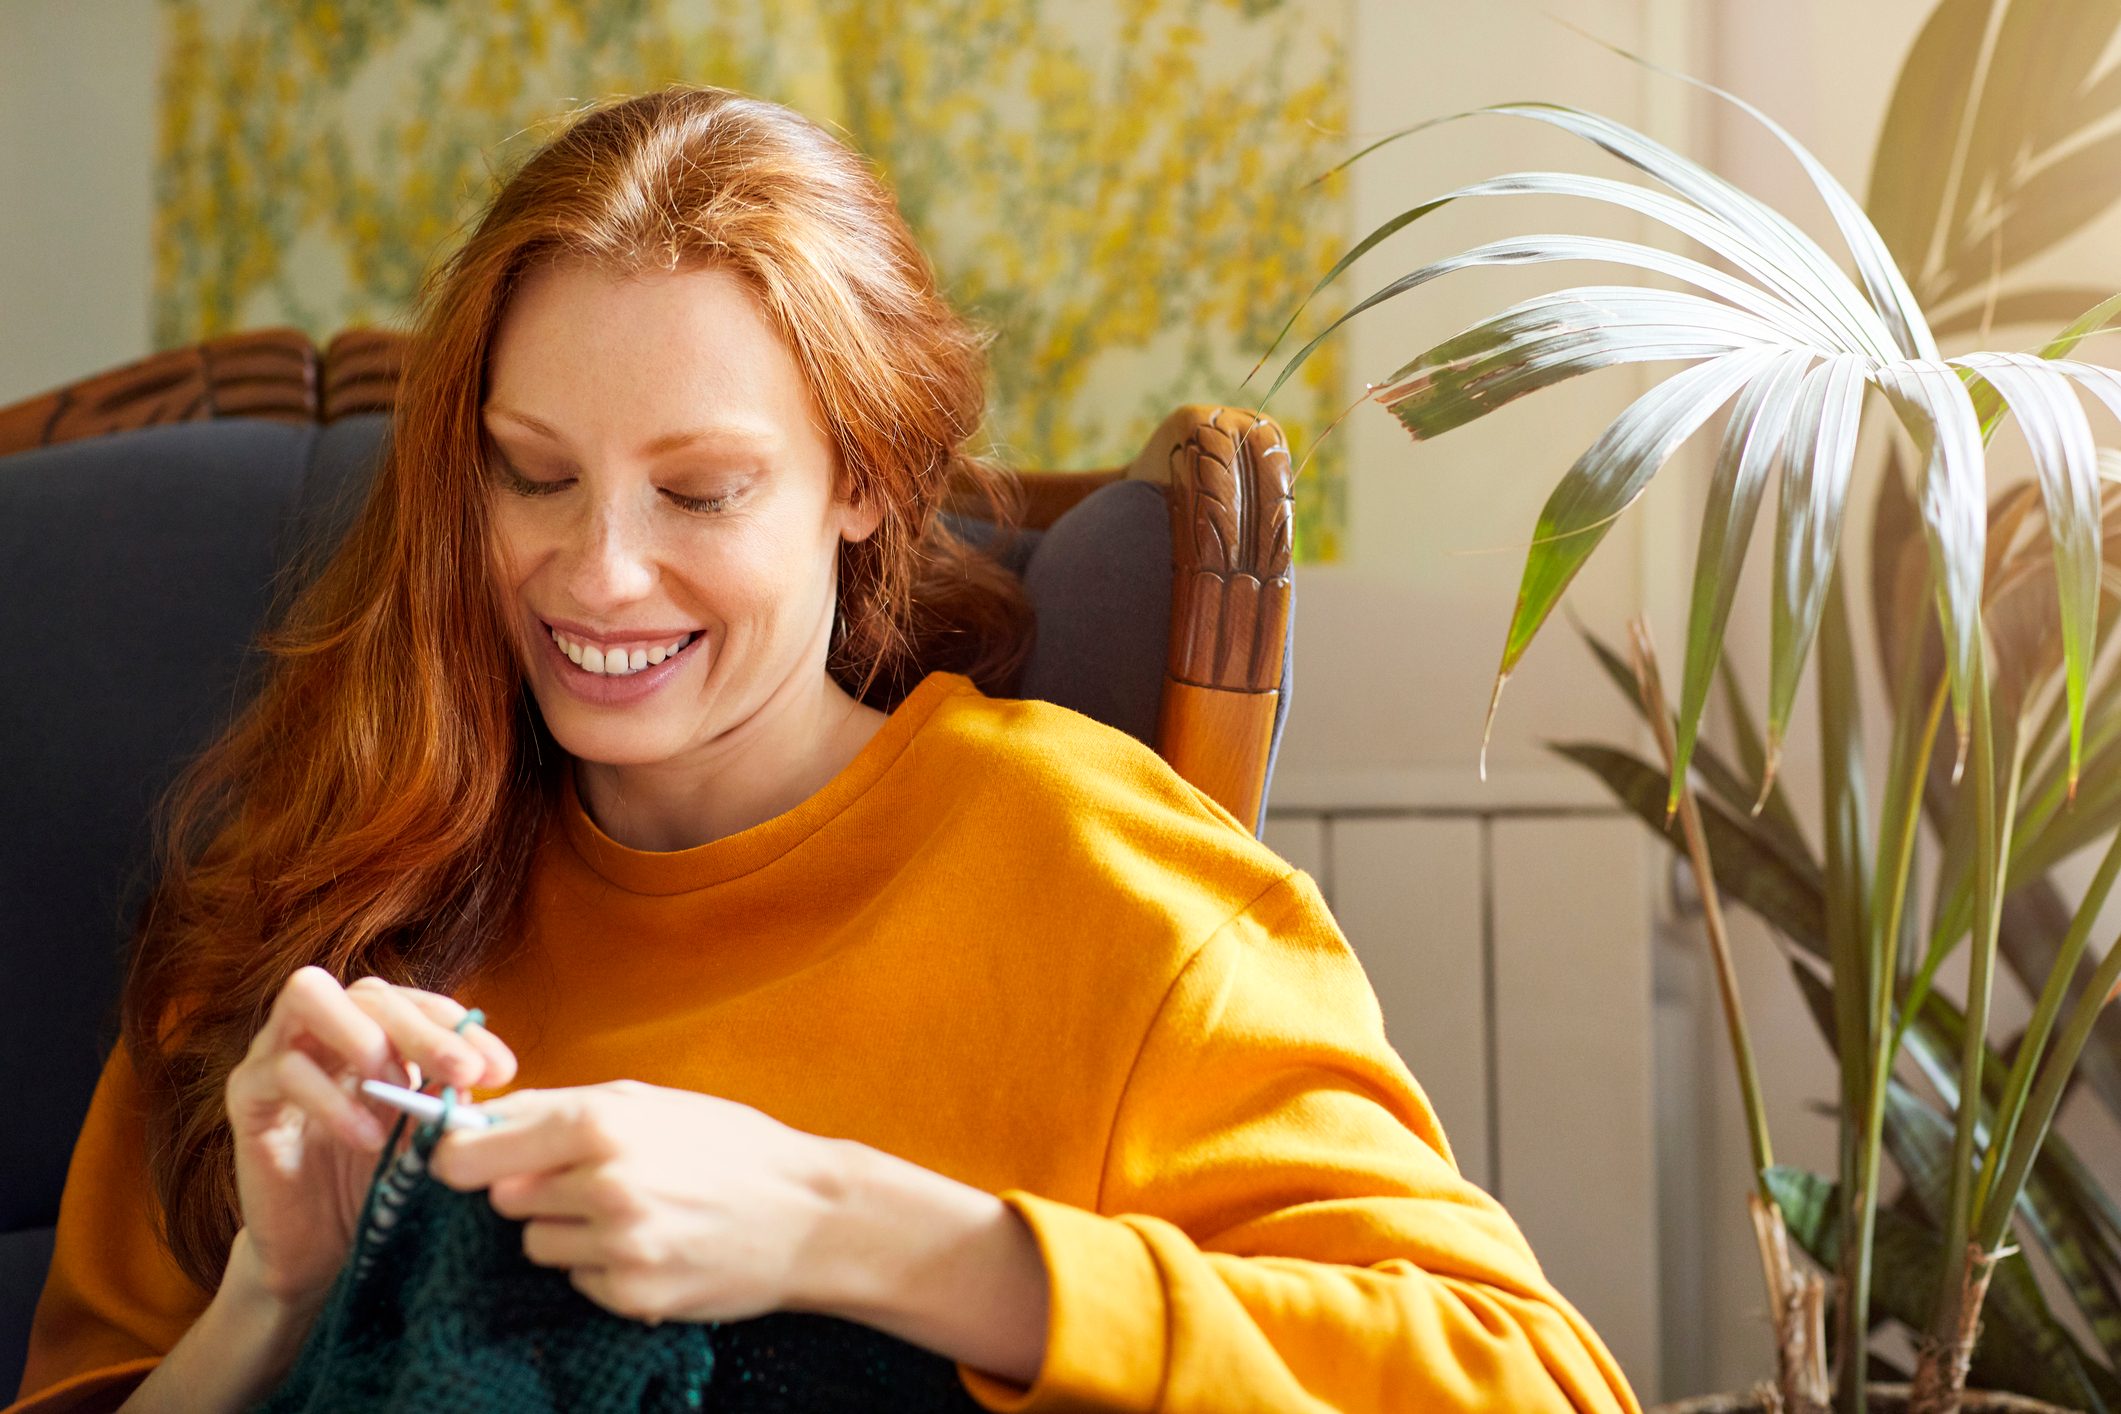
(374,807)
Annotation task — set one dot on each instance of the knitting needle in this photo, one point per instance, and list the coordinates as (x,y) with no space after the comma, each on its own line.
(426,1107)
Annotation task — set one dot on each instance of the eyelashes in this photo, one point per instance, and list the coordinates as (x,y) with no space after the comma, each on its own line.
(514,481)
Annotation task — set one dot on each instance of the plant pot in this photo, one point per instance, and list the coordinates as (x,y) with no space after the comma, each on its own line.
(1884,1399)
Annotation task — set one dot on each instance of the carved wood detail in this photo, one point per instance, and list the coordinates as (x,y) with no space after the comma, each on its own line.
(361,369)
(270,373)
(1232,516)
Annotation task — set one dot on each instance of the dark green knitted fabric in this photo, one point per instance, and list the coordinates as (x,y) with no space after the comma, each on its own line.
(437,1309)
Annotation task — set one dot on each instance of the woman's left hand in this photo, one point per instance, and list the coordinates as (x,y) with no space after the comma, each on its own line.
(661,1204)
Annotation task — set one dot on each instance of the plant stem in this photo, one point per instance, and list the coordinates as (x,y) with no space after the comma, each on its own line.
(1846,857)
(1992,850)
(2011,1106)
(1651,685)
(1796,1302)
(1903,805)
(1942,1363)
(2047,1097)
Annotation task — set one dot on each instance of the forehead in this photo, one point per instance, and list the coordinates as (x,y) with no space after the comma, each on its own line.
(613,360)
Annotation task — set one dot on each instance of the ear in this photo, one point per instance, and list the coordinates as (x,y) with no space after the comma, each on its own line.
(859,517)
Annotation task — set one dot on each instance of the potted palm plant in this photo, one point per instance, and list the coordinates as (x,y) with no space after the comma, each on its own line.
(1990,614)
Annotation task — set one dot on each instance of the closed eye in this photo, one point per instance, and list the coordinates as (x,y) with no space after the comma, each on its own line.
(523,485)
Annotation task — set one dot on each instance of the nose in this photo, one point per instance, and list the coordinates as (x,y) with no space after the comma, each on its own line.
(612,558)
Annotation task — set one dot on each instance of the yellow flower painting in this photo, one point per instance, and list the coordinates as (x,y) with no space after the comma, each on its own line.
(1122,190)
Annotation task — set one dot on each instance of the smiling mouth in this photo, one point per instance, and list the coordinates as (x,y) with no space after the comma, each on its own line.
(597,663)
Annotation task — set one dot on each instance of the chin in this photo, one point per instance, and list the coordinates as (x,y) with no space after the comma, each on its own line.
(611,748)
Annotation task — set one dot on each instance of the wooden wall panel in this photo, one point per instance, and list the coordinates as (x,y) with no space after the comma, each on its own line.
(1407,892)
(1574,1039)
(1301,839)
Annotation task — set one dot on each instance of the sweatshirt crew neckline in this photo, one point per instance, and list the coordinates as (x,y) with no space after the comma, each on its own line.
(665,872)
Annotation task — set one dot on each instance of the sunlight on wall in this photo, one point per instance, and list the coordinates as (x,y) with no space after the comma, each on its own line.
(1118,187)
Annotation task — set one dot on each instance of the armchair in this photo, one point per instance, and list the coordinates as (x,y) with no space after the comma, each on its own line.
(150,514)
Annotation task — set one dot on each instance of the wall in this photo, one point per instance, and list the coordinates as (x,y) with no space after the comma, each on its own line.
(77,91)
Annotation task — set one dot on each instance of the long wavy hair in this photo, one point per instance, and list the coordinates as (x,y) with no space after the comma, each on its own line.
(374,807)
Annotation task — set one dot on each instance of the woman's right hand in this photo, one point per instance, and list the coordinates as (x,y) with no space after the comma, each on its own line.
(306,1140)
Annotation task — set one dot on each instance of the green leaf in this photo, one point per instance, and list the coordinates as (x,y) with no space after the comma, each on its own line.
(1792,321)
(1882,281)
(1758,240)
(1553,337)
(1752,441)
(1939,413)
(1752,754)
(1775,829)
(2062,1204)
(2066,461)
(1606,479)
(2101,316)
(2049,1363)
(1815,480)
(1747,865)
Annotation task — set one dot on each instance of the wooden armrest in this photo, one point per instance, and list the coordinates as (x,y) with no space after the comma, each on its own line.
(1227,475)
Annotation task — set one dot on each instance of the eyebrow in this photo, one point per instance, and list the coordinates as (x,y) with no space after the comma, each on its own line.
(745,435)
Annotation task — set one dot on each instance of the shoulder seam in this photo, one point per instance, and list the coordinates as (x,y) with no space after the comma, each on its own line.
(1193,955)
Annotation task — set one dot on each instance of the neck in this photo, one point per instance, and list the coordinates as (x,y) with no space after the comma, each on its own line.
(784,752)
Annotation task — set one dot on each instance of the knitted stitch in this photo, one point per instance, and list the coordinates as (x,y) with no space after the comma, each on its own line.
(439,1310)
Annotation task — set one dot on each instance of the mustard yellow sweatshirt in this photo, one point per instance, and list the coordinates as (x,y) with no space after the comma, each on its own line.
(1010,944)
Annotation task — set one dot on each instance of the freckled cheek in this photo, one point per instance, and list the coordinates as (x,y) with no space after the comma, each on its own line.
(761,580)
(509,561)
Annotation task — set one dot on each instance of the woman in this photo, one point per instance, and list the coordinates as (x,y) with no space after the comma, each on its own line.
(831,982)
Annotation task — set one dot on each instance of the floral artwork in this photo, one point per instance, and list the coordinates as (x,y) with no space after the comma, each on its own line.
(1122,190)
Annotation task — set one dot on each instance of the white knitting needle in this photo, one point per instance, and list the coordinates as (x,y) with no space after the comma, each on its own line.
(426,1107)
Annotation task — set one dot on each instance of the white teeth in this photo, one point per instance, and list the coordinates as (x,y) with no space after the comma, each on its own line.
(593,659)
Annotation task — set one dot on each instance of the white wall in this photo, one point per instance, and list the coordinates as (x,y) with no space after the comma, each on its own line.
(77,94)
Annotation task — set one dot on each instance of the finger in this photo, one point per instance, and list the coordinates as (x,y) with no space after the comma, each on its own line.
(542,1130)
(622,1296)
(500,1060)
(586,1191)
(256,1097)
(441,1054)
(313,1013)
(561,1243)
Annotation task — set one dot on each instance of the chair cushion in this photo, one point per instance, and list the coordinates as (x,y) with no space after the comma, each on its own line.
(146,562)
(24,1259)
(1099,582)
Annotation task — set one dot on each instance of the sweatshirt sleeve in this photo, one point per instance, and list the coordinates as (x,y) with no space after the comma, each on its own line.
(1280,1223)
(114,1301)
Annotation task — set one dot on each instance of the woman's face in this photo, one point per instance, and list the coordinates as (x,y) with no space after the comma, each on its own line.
(660,477)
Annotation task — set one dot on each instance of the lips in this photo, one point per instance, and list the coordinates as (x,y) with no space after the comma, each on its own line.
(615,689)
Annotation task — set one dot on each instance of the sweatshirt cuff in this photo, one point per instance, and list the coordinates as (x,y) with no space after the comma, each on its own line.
(1106,1321)
(90,1389)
